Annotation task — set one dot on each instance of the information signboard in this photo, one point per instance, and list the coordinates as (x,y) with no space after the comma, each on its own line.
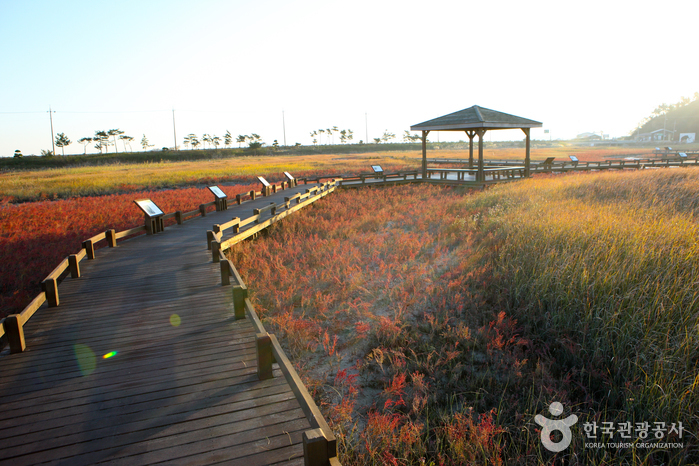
(149,208)
(264,182)
(217,192)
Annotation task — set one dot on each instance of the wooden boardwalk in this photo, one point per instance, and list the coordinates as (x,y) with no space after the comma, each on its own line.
(143,362)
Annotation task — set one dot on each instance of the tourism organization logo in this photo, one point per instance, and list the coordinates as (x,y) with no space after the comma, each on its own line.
(548,426)
(647,435)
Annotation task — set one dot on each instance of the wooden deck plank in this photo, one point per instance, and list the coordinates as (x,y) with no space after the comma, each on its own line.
(184,394)
(62,358)
(215,443)
(113,380)
(226,405)
(63,365)
(96,435)
(67,416)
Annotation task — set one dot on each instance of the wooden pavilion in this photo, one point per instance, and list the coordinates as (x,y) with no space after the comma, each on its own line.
(475,121)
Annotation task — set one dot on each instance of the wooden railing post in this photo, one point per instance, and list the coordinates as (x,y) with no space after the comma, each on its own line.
(209,239)
(89,249)
(315,448)
(15,333)
(50,287)
(202,210)
(215,247)
(74,265)
(225,273)
(178,217)
(253,194)
(264,356)
(111,238)
(238,198)
(240,294)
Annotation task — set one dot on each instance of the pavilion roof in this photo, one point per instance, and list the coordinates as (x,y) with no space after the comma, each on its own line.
(475,118)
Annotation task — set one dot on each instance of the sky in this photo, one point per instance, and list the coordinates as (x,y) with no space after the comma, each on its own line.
(283,69)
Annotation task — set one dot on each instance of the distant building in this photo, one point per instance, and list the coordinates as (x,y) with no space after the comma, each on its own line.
(589,136)
(657,135)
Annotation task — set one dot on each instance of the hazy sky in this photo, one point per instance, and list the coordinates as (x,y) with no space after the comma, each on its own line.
(237,65)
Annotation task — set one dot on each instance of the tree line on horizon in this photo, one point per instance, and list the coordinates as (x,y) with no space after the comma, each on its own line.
(104,139)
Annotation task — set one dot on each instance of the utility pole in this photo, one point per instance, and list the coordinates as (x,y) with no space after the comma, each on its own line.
(53,148)
(284,127)
(173,127)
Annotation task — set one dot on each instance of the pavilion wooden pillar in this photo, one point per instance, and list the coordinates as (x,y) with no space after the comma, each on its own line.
(470,135)
(424,154)
(526,157)
(480,176)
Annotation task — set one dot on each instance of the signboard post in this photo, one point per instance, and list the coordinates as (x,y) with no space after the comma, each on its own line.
(221,198)
(266,187)
(153,216)
(292,180)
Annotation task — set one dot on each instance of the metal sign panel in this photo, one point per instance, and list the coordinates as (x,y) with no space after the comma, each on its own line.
(217,192)
(288,176)
(573,158)
(264,182)
(683,154)
(377,168)
(149,208)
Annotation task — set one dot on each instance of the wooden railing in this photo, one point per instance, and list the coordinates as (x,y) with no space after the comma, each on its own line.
(319,443)
(567,165)
(496,173)
(613,165)
(13,325)
(214,237)
(384,177)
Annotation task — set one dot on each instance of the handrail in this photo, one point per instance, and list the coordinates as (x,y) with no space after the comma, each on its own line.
(217,245)
(320,443)
(58,271)
(29,311)
(130,232)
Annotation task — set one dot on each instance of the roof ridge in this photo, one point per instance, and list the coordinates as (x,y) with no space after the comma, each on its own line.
(478,112)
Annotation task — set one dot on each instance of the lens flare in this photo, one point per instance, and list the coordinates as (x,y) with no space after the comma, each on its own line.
(175,320)
(85,358)
(109,355)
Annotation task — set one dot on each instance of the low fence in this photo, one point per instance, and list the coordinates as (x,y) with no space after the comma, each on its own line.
(614,165)
(214,237)
(319,443)
(495,173)
(573,166)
